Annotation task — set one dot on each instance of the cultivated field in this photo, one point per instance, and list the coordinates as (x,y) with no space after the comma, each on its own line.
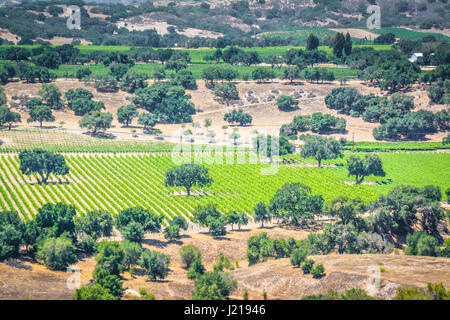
(114,182)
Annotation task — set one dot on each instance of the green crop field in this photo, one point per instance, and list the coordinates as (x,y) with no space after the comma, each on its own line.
(116,181)
(69,71)
(197,55)
(61,141)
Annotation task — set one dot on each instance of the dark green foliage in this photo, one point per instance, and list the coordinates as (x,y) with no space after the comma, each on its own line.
(8,117)
(169,103)
(259,248)
(307,266)
(132,81)
(196,270)
(226,91)
(238,117)
(422,244)
(185,79)
(11,233)
(172,232)
(40,114)
(318,271)
(213,286)
(189,254)
(84,106)
(364,167)
(400,207)
(95,224)
(43,163)
(148,120)
(222,263)
(188,176)
(155,263)
(262,214)
(126,114)
(110,257)
(312,42)
(132,253)
(319,74)
(321,148)
(134,222)
(96,121)
(92,292)
(57,253)
(110,282)
(106,84)
(287,103)
(298,256)
(295,204)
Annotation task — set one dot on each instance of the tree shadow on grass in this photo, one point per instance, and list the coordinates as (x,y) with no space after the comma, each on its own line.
(101,135)
(156,243)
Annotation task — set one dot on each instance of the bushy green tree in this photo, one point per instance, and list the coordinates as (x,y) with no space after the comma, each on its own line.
(318,271)
(57,253)
(321,148)
(41,113)
(213,286)
(134,222)
(295,204)
(43,163)
(155,263)
(188,254)
(95,224)
(92,292)
(287,103)
(364,167)
(188,176)
(96,121)
(11,235)
(298,256)
(262,214)
(51,95)
(8,117)
(126,114)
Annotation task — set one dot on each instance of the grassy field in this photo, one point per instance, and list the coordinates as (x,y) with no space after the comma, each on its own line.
(116,181)
(395,146)
(69,71)
(197,55)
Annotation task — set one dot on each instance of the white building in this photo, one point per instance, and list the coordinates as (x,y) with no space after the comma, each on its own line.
(415,56)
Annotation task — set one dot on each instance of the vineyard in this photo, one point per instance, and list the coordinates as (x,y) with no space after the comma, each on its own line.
(62,141)
(113,182)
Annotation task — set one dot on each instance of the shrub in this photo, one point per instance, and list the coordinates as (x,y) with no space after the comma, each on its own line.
(307,265)
(57,253)
(298,256)
(155,263)
(188,254)
(318,271)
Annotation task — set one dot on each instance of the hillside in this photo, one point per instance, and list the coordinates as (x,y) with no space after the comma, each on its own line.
(200,23)
(277,277)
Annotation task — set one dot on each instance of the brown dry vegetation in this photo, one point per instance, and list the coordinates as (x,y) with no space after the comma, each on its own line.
(277,277)
(263,109)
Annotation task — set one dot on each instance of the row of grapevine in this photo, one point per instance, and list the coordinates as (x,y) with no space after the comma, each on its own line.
(114,182)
